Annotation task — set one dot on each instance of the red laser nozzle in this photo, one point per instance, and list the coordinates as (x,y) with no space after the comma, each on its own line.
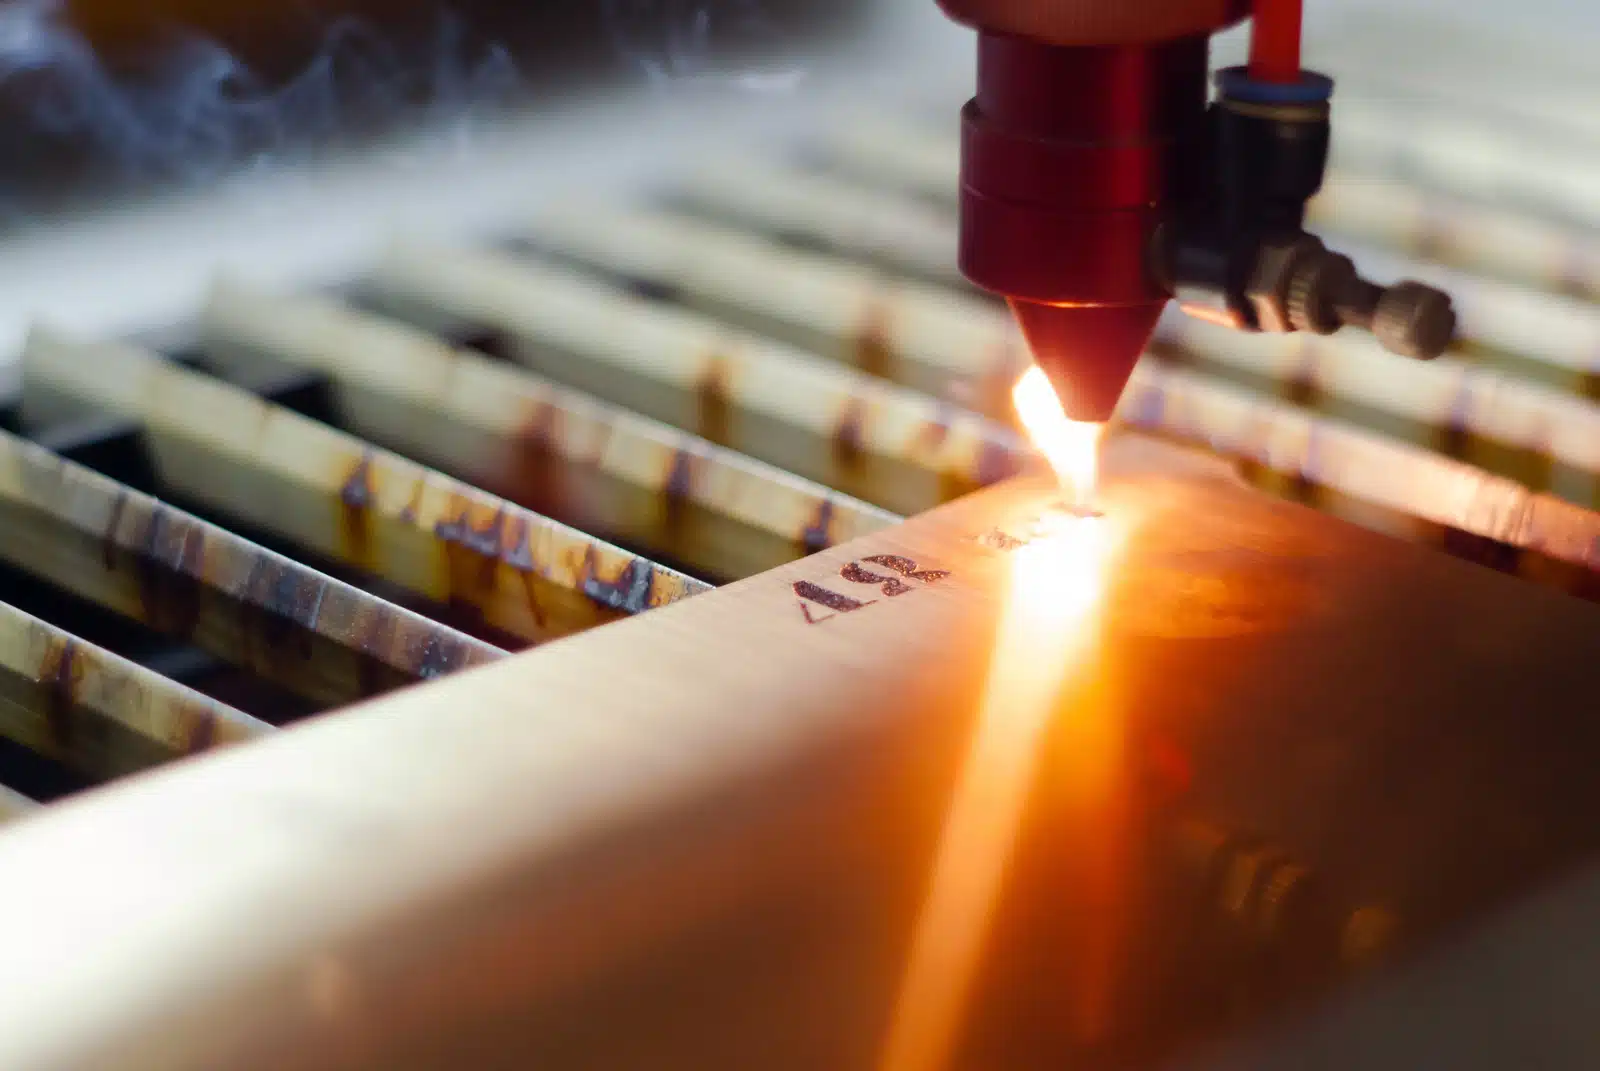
(1069,156)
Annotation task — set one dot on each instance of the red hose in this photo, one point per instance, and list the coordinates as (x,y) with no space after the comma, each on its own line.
(1275,41)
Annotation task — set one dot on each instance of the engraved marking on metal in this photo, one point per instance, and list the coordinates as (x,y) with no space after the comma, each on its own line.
(840,604)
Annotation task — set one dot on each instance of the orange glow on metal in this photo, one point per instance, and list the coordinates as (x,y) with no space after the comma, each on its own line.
(1046,632)
(1071,446)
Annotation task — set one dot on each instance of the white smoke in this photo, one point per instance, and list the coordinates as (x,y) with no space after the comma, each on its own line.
(196,111)
(672,41)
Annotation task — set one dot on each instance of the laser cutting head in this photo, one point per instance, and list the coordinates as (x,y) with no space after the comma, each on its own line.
(1097,184)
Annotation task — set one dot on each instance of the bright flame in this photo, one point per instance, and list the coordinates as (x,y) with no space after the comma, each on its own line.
(1071,446)
(1055,584)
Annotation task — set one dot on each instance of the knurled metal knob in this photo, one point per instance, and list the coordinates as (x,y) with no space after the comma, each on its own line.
(1315,290)
(1414,319)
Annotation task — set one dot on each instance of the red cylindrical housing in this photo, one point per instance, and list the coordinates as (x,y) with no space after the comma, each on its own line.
(1067,155)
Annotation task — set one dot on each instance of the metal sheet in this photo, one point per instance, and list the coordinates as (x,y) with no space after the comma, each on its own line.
(719,863)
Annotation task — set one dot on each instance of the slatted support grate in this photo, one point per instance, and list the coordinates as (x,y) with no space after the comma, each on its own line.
(471,448)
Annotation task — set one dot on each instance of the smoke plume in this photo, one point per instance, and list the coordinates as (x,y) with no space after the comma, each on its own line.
(193,110)
(677,40)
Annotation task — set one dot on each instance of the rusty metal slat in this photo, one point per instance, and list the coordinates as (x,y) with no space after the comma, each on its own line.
(1533,433)
(896,448)
(920,335)
(827,212)
(1441,400)
(913,329)
(1364,466)
(185,578)
(1452,230)
(1455,150)
(557,450)
(14,805)
(348,500)
(97,713)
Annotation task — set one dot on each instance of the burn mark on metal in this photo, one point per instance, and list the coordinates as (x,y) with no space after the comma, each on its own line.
(891,586)
(413,507)
(440,656)
(908,567)
(630,592)
(518,554)
(288,602)
(108,542)
(849,438)
(59,673)
(170,570)
(818,535)
(485,541)
(199,721)
(356,496)
(713,409)
(473,552)
(375,670)
(840,604)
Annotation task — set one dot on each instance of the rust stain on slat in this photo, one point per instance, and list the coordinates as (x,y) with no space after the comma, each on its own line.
(60,673)
(932,435)
(375,671)
(632,590)
(714,410)
(108,541)
(535,474)
(849,437)
(472,537)
(170,569)
(872,351)
(818,534)
(413,507)
(197,722)
(283,603)
(677,489)
(356,496)
(518,554)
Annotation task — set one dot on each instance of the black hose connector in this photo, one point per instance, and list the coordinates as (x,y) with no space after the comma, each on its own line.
(1236,251)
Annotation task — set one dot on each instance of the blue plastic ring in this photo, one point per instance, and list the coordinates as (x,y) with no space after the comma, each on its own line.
(1235,83)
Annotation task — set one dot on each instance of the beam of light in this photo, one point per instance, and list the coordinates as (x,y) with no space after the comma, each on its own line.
(1071,446)
(1046,631)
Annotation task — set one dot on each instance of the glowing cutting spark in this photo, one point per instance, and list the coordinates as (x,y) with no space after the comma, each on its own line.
(1071,446)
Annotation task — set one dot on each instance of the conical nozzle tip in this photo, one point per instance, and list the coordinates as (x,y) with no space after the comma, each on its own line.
(1087,351)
